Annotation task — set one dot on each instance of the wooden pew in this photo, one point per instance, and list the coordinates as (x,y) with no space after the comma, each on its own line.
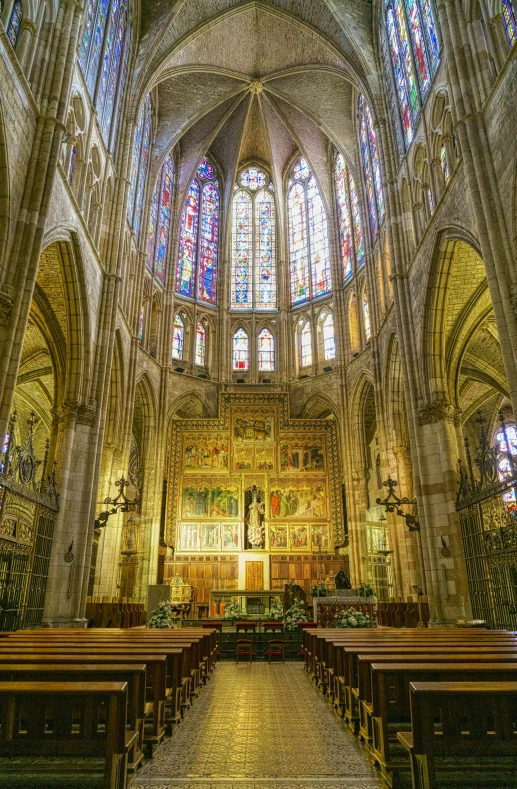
(391,699)
(477,720)
(76,719)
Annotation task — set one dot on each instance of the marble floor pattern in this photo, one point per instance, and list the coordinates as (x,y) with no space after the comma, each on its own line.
(260,727)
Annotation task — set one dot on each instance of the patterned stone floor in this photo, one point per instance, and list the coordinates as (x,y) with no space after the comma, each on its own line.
(260,727)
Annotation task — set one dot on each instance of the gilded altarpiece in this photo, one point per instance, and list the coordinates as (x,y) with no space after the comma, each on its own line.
(254,479)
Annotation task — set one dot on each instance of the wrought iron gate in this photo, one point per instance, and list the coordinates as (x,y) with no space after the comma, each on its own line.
(27,515)
(487,508)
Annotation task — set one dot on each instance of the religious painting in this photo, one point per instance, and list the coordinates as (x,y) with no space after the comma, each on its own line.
(320,535)
(210,498)
(298,498)
(207,452)
(278,536)
(189,540)
(253,427)
(299,537)
(243,458)
(265,458)
(230,536)
(302,453)
(210,537)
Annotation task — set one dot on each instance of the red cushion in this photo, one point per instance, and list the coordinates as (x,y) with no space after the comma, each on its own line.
(245,624)
(273,624)
(307,624)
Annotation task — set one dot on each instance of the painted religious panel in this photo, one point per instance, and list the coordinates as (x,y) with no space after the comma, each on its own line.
(243,458)
(253,427)
(230,536)
(210,498)
(205,452)
(210,537)
(278,537)
(265,458)
(298,498)
(298,537)
(302,453)
(189,536)
(319,535)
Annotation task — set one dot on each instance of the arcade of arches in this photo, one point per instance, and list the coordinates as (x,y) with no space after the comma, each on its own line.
(257,258)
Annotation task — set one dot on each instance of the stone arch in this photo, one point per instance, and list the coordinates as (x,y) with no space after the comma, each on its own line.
(189,406)
(398,431)
(115,405)
(144,418)
(320,406)
(363,418)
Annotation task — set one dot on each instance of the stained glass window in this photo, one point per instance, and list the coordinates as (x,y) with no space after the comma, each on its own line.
(306,345)
(159,221)
(371,167)
(241,350)
(178,338)
(196,272)
(71,168)
(141,323)
(415,55)
(329,340)
(15,21)
(445,164)
(253,262)
(510,24)
(309,255)
(349,219)
(430,199)
(200,345)
(505,447)
(366,314)
(266,351)
(139,161)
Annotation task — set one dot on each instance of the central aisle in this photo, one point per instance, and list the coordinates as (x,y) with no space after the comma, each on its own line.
(260,726)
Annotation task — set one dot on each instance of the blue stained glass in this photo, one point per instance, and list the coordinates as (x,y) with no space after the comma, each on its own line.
(141,323)
(419,50)
(133,175)
(242,239)
(392,101)
(357,223)
(86,39)
(186,269)
(200,345)
(433,46)
(123,76)
(400,80)
(151,233)
(205,170)
(405,55)
(510,24)
(377,179)
(106,60)
(164,220)
(265,263)
(368,177)
(298,245)
(344,218)
(208,247)
(111,87)
(14,23)
(144,157)
(96,47)
(178,337)
(319,244)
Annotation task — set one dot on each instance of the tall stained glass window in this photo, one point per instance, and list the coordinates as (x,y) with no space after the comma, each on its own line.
(253,262)
(178,337)
(351,242)
(506,445)
(139,164)
(366,316)
(415,54)
(329,339)
(306,345)
(15,21)
(309,255)
(445,164)
(509,21)
(159,222)
(266,351)
(241,350)
(371,167)
(196,272)
(200,345)
(103,55)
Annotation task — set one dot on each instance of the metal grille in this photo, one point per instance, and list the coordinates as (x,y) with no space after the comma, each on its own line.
(478,574)
(40,565)
(13,573)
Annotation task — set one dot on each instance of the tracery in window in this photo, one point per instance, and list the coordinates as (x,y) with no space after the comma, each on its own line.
(15,21)
(178,337)
(415,55)
(349,219)
(507,451)
(159,222)
(139,163)
(306,345)
(309,255)
(329,339)
(509,21)
(266,351)
(241,350)
(196,272)
(200,345)
(103,55)
(371,167)
(253,261)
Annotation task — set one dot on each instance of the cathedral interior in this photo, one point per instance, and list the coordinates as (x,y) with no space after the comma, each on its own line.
(258,305)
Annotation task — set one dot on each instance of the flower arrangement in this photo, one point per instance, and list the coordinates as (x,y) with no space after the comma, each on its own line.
(162,617)
(294,615)
(232,611)
(365,589)
(319,590)
(351,617)
(276,612)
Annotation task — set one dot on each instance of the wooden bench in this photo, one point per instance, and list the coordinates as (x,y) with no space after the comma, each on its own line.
(476,720)
(76,719)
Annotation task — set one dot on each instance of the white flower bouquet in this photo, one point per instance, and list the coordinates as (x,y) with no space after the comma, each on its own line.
(162,617)
(232,611)
(351,617)
(294,615)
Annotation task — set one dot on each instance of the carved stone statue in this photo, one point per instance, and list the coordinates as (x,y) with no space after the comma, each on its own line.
(256,531)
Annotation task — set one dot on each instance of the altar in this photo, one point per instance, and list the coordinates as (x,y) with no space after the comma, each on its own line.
(326,608)
(252,602)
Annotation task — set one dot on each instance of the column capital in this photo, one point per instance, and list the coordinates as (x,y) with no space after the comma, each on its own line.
(437,412)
